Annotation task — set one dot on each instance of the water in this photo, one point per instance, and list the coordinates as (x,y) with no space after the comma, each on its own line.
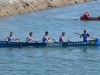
(51,61)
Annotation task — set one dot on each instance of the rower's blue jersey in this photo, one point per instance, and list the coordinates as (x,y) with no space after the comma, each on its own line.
(30,39)
(44,40)
(85,37)
(10,39)
(60,40)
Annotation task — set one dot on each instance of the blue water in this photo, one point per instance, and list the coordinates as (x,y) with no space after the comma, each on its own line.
(51,61)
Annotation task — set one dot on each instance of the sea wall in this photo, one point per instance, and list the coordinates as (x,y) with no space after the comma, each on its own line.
(9,7)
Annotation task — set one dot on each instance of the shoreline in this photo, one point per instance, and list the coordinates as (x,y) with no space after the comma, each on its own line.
(18,7)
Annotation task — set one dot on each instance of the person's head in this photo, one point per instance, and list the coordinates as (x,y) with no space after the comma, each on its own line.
(46,33)
(86,12)
(11,33)
(63,33)
(84,31)
(31,34)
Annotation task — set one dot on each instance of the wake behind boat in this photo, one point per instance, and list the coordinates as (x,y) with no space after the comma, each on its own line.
(66,44)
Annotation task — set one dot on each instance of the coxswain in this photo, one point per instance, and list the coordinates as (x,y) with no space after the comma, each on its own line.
(85,35)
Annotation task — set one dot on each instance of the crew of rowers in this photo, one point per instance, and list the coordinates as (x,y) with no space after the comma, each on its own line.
(45,39)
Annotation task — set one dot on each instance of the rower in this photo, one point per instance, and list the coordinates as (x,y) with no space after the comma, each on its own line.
(11,38)
(46,39)
(86,14)
(61,39)
(85,35)
(29,39)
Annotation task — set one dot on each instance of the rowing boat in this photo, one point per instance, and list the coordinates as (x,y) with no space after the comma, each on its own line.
(24,44)
(89,18)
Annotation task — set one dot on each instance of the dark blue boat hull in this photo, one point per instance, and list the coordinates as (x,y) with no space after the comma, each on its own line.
(20,44)
(81,43)
(24,44)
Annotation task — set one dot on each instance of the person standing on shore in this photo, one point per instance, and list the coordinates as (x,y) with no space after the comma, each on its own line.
(29,39)
(46,39)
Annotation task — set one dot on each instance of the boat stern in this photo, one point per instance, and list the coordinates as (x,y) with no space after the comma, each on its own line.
(97,42)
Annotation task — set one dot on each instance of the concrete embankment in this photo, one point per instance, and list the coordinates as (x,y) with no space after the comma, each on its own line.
(9,7)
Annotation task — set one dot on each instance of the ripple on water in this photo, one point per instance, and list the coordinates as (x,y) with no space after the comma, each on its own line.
(47,60)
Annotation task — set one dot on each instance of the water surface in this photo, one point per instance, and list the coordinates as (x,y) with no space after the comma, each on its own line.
(51,61)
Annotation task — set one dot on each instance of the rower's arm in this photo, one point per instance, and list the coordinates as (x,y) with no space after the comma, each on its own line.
(49,40)
(63,40)
(14,39)
(80,35)
(93,37)
(6,39)
(76,33)
(34,40)
(17,40)
(27,39)
(68,40)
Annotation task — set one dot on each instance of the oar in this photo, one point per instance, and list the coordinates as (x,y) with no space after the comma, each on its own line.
(57,42)
(20,42)
(60,43)
(76,33)
(93,37)
(69,40)
(75,19)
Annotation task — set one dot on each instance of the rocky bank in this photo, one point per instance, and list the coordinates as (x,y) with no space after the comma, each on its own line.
(10,7)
